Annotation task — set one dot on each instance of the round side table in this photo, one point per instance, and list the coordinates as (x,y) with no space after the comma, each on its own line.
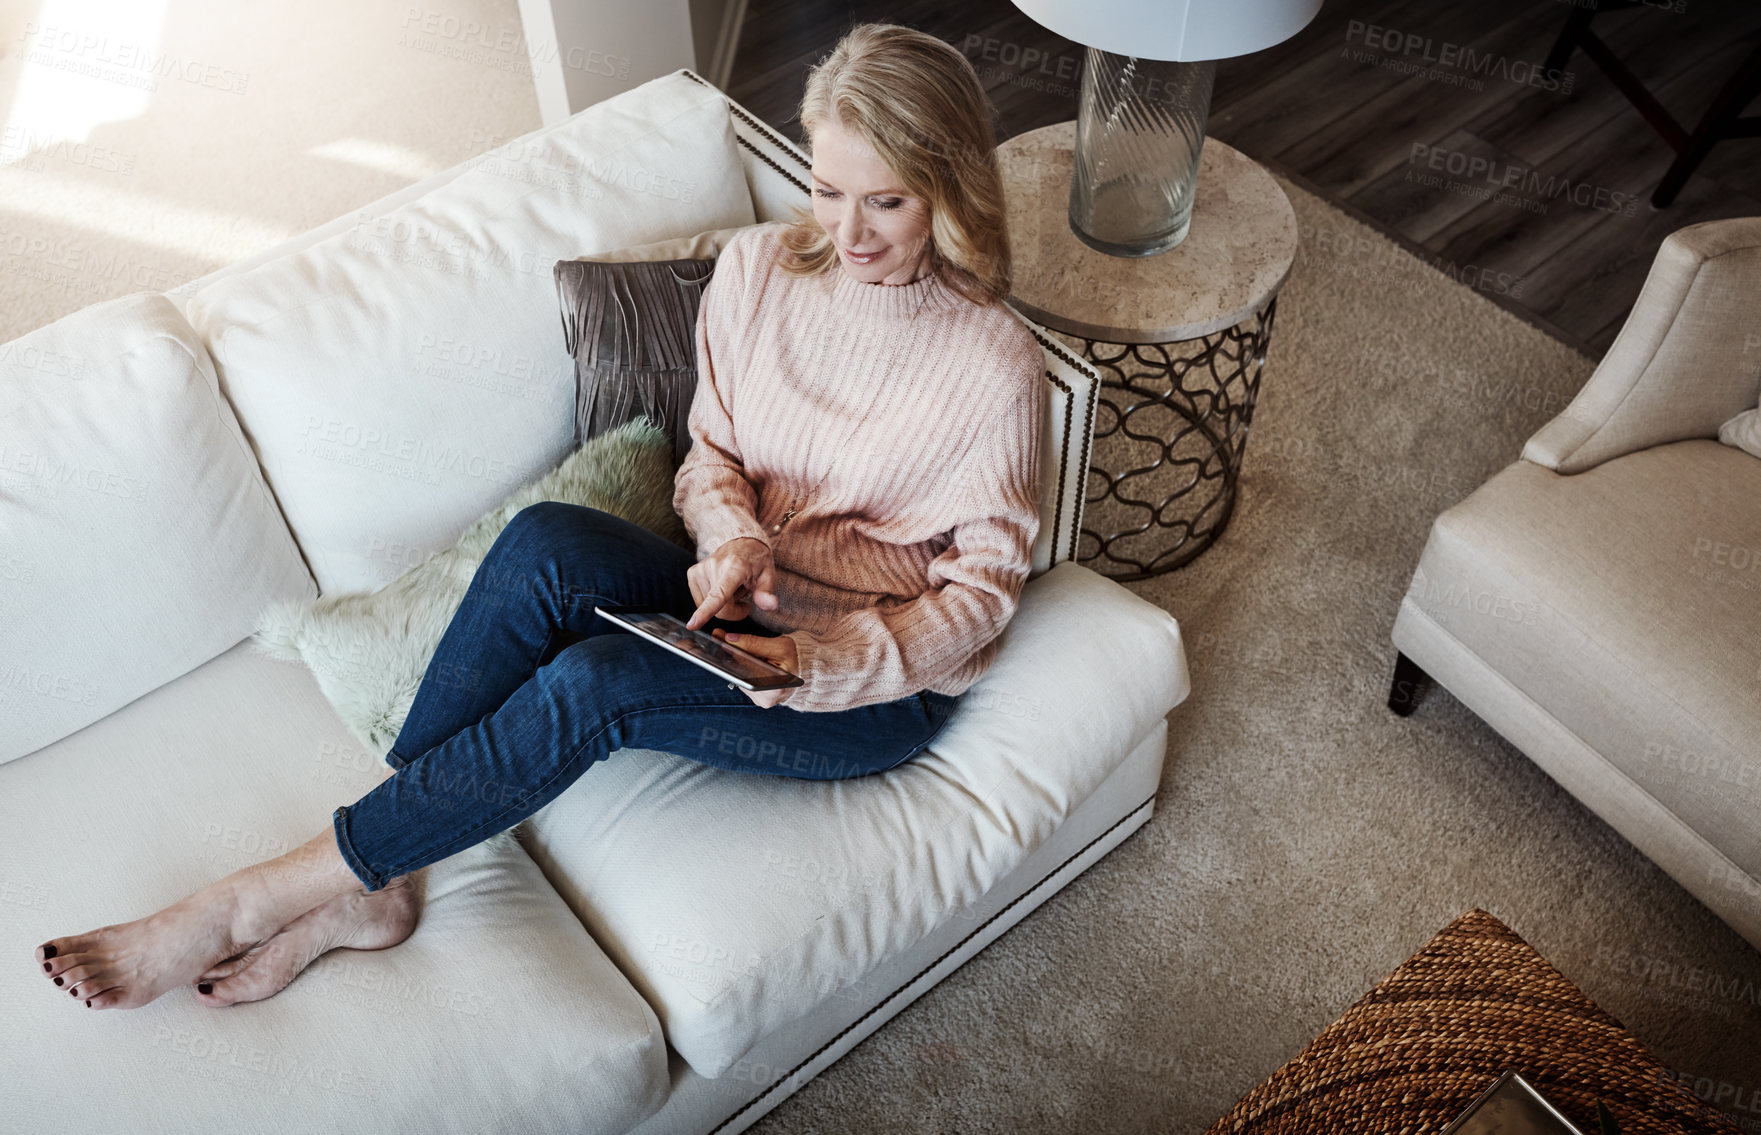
(1179,339)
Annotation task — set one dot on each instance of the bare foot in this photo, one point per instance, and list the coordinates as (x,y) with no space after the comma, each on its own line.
(127,965)
(361,920)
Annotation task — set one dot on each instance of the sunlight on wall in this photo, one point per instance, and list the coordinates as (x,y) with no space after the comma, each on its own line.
(384,157)
(85,63)
(140,218)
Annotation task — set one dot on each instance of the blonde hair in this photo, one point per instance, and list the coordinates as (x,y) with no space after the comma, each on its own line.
(917,102)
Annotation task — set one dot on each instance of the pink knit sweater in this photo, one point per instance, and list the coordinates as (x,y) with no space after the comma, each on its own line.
(901,568)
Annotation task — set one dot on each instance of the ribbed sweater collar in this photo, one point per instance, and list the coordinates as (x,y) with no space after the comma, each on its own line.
(883,303)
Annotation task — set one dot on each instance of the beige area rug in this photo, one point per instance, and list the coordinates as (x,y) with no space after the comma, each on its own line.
(1305,842)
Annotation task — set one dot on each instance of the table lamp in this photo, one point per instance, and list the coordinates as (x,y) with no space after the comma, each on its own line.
(1146,93)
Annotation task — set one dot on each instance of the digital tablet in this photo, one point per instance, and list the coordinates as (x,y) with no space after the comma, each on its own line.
(746,670)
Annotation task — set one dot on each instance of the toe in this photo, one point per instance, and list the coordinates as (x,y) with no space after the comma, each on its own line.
(227,968)
(263,978)
(61,947)
(61,963)
(81,980)
(114,998)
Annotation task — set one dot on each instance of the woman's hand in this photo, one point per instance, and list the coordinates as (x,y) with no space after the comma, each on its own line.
(778,650)
(730,580)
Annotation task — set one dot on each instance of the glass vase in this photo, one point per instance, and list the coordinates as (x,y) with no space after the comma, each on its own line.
(1139,131)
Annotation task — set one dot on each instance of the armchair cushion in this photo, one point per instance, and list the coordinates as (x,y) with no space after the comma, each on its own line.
(1686,360)
(1624,602)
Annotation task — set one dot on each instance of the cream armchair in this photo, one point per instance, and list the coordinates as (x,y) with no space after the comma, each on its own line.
(1598,602)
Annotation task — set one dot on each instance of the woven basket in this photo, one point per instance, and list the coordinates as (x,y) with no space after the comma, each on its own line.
(1420,1047)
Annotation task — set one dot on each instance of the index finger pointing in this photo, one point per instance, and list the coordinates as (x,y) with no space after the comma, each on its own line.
(712,602)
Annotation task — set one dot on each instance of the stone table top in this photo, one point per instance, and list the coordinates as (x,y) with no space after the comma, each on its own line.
(1235,257)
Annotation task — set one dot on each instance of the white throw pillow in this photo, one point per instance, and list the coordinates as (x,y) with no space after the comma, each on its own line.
(137,538)
(400,379)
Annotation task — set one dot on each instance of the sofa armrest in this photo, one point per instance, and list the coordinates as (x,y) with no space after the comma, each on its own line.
(1687,359)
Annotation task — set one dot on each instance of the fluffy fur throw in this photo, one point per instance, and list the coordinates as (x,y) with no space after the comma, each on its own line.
(368,651)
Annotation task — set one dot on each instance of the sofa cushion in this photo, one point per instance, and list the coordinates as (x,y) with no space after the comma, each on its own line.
(137,538)
(1625,601)
(368,651)
(737,903)
(498,1014)
(400,378)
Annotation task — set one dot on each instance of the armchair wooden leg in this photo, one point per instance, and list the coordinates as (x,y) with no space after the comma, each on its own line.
(1575,24)
(1409,682)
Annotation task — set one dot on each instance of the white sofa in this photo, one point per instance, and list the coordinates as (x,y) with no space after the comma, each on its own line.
(666,947)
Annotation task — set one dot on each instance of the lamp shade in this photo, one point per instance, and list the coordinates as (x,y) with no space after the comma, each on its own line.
(1184,30)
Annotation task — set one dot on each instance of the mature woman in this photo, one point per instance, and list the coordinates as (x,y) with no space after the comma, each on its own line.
(861,488)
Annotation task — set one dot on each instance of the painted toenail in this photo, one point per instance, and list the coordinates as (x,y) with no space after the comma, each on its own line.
(205,987)
(47,967)
(49,949)
(88,1004)
(58,981)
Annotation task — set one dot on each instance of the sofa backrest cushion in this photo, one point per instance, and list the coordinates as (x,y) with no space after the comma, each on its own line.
(400,378)
(137,537)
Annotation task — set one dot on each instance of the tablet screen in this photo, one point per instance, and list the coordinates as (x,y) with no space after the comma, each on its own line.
(703,647)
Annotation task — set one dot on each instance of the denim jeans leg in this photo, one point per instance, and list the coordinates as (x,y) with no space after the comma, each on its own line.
(601,694)
(549,567)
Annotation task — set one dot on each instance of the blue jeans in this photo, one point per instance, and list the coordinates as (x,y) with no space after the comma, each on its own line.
(528,688)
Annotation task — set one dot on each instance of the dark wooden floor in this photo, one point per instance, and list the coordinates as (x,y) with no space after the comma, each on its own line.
(1343,115)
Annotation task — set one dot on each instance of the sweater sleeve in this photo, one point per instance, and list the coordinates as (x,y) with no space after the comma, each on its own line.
(891,651)
(711,493)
